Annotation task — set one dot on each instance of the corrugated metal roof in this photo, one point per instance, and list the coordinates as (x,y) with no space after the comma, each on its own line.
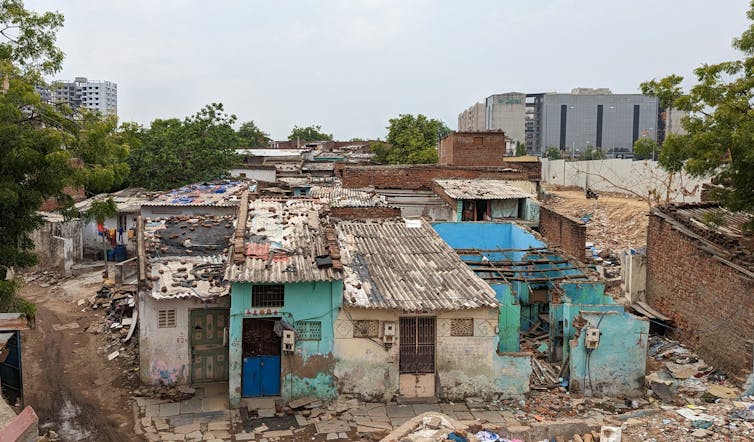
(222,193)
(282,241)
(481,189)
(389,265)
(187,276)
(126,200)
(338,196)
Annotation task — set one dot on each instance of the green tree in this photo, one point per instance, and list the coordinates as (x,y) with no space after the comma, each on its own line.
(411,140)
(646,148)
(172,153)
(27,40)
(720,127)
(102,154)
(520,149)
(553,153)
(33,163)
(249,135)
(309,133)
(591,153)
(667,90)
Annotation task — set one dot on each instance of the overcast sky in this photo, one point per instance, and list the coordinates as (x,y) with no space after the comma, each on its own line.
(351,65)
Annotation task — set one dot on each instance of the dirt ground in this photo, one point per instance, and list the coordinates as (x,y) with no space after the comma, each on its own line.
(615,221)
(71,385)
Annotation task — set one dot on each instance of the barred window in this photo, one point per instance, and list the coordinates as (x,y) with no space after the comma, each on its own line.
(366,329)
(166,318)
(309,330)
(267,295)
(462,327)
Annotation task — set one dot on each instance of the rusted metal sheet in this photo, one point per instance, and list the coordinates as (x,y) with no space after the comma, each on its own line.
(13,321)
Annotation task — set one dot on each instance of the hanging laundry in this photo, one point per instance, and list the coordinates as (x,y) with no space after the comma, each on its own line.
(100,229)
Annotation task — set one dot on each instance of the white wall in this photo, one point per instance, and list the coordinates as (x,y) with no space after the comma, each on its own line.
(164,353)
(254,174)
(622,176)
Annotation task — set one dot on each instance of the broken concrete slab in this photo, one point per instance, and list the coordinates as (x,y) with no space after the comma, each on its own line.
(68,326)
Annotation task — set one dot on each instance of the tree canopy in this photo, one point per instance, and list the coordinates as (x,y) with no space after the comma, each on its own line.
(309,133)
(411,140)
(34,164)
(719,125)
(171,153)
(249,135)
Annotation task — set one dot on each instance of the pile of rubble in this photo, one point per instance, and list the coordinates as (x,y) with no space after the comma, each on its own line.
(172,394)
(119,328)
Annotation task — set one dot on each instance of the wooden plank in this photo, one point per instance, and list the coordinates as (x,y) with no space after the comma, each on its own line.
(649,309)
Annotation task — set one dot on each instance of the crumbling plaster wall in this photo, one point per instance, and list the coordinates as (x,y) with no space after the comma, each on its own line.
(165,352)
(465,366)
(58,245)
(617,365)
(710,303)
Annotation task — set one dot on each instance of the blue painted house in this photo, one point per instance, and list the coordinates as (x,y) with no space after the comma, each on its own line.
(539,289)
(286,290)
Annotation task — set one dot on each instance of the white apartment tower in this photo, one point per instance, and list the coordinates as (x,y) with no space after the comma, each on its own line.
(95,95)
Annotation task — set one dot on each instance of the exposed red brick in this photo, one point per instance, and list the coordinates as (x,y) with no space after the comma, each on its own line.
(472,149)
(365,212)
(563,231)
(51,204)
(711,303)
(414,177)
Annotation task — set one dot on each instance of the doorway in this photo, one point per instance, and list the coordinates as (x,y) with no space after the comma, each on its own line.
(209,346)
(417,356)
(261,348)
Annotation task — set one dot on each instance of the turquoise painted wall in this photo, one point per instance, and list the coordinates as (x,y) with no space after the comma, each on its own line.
(509,319)
(617,365)
(308,370)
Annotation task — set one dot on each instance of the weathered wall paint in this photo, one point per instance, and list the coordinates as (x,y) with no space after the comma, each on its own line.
(617,365)
(309,369)
(165,353)
(585,292)
(465,366)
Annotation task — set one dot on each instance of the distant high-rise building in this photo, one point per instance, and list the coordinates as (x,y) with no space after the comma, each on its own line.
(585,117)
(82,93)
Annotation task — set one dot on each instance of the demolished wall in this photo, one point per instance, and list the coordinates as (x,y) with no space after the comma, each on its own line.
(710,302)
(58,245)
(563,231)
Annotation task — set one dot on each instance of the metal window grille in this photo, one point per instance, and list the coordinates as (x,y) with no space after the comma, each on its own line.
(166,318)
(267,296)
(366,329)
(309,330)
(462,327)
(417,345)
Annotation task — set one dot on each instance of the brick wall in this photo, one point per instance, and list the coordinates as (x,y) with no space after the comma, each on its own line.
(711,303)
(472,149)
(563,231)
(365,212)
(414,177)
(51,204)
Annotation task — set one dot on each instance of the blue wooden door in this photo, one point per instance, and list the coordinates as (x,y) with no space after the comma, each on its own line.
(260,373)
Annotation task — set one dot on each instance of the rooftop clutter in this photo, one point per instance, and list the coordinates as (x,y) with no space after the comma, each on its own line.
(285,241)
(219,193)
(187,256)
